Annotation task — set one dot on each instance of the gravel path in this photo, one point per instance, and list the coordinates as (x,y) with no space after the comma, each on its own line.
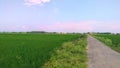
(101,56)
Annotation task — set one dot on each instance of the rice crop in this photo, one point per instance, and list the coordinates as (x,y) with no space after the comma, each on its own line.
(29,50)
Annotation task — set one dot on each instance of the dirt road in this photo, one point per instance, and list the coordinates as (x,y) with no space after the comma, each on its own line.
(101,56)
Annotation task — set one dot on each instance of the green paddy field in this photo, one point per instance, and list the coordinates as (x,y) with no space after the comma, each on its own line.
(30,50)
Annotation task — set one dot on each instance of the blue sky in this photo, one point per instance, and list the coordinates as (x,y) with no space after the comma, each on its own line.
(60,15)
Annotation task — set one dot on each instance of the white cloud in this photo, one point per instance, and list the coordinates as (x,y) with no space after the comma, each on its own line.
(35,2)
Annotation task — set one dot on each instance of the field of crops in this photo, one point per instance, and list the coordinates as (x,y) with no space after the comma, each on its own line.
(111,40)
(29,50)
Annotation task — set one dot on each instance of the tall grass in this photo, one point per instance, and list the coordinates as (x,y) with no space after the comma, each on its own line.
(70,55)
(111,40)
(29,50)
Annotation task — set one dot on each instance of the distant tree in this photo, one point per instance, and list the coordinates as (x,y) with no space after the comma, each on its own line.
(37,32)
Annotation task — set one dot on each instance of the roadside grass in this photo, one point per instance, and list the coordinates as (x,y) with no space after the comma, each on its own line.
(110,40)
(69,55)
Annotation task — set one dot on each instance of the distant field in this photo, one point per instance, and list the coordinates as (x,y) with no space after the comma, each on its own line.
(29,50)
(111,40)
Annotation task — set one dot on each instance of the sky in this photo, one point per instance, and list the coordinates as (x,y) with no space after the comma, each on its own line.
(60,15)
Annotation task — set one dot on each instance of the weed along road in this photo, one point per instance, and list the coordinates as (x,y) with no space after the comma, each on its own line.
(101,56)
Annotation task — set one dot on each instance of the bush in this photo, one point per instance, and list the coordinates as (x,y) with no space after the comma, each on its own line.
(108,42)
(111,40)
(70,55)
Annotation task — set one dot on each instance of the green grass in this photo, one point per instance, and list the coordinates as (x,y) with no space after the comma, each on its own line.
(29,50)
(111,40)
(70,55)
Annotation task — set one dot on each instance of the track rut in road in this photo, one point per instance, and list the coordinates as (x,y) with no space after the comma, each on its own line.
(101,56)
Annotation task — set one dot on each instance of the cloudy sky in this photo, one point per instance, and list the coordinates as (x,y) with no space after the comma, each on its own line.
(60,15)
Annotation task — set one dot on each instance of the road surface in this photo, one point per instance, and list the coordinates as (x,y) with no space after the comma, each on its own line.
(101,56)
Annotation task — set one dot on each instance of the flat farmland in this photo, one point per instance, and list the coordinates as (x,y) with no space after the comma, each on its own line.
(29,50)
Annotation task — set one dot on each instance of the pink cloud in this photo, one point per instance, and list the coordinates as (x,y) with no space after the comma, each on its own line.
(112,26)
(83,26)
(35,2)
(70,27)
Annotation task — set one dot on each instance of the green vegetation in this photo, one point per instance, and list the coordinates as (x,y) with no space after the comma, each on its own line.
(111,40)
(70,55)
(31,50)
